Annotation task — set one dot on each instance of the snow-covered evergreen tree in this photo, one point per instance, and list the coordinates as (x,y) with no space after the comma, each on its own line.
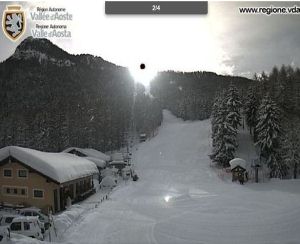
(233,105)
(250,110)
(268,129)
(215,117)
(223,133)
(225,144)
(290,149)
(278,168)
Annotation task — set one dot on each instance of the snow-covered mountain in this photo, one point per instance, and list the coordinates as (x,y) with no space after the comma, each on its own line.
(52,100)
(49,97)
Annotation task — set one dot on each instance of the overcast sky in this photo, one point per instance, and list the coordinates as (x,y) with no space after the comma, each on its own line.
(224,41)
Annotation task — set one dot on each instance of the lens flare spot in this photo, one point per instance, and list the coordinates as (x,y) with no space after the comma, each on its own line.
(167,198)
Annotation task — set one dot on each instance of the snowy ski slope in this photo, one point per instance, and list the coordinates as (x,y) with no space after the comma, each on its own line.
(180,199)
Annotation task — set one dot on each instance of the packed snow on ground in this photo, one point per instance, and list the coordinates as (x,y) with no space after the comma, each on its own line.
(179,198)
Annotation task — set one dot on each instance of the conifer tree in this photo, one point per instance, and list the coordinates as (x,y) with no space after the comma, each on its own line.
(268,129)
(214,117)
(224,134)
(290,148)
(250,110)
(233,105)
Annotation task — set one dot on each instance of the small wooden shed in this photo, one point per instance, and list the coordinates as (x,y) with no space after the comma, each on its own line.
(238,168)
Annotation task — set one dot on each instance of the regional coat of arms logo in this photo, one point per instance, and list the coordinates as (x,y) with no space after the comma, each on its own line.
(13,22)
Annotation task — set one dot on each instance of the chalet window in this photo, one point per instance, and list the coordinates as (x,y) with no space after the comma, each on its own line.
(38,193)
(14,190)
(15,226)
(7,172)
(22,173)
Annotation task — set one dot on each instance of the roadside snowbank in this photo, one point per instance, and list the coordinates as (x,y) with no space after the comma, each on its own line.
(64,220)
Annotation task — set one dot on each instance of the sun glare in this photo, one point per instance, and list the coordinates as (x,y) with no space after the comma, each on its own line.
(167,198)
(143,76)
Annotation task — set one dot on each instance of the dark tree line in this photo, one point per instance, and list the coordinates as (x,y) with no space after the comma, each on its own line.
(272,114)
(147,112)
(51,100)
(190,95)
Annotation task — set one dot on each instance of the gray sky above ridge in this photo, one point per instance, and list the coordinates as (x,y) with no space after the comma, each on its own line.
(224,41)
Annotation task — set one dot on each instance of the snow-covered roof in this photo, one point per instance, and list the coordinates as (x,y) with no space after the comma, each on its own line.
(117,156)
(89,152)
(25,218)
(114,170)
(126,168)
(99,162)
(117,162)
(61,167)
(237,162)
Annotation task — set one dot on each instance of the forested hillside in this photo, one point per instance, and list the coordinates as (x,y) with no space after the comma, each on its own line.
(271,109)
(189,95)
(51,100)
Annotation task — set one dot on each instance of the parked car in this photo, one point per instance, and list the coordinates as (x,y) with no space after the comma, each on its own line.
(126,172)
(108,182)
(4,234)
(134,176)
(143,137)
(27,226)
(36,212)
(6,219)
